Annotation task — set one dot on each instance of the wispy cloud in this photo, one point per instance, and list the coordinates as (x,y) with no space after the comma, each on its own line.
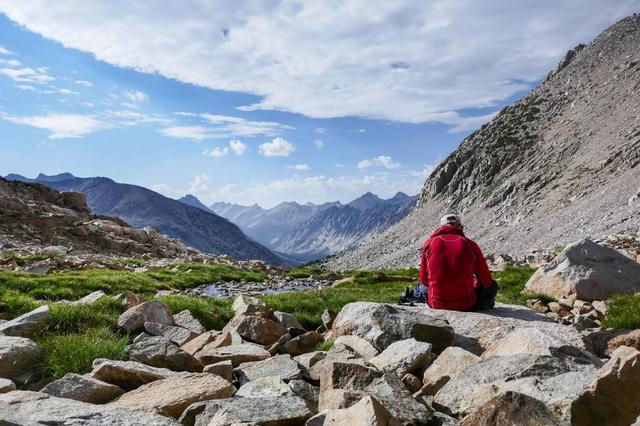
(136,96)
(279,147)
(383,161)
(300,167)
(28,75)
(196,133)
(60,126)
(319,143)
(217,126)
(84,83)
(217,152)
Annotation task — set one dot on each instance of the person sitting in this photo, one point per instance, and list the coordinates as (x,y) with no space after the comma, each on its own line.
(453,271)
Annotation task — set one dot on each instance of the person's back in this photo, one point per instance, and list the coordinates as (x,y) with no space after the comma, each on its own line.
(454,269)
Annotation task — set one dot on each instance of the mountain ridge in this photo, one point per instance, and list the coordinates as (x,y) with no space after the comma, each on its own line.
(556,166)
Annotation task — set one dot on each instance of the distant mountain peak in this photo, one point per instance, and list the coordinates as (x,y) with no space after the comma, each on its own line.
(54,178)
(365,201)
(193,201)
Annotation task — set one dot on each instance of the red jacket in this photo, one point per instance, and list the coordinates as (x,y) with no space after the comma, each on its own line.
(452,266)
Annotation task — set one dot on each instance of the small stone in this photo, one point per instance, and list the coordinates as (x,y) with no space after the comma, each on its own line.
(159,352)
(18,355)
(90,298)
(208,351)
(133,319)
(186,320)
(129,299)
(301,344)
(6,385)
(177,335)
(128,374)
(269,387)
(28,324)
(244,352)
(412,383)
(282,366)
(404,356)
(357,345)
(451,361)
(631,339)
(256,329)
(199,342)
(367,412)
(287,320)
(247,305)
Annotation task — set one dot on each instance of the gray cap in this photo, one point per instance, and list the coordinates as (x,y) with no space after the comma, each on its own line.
(451,219)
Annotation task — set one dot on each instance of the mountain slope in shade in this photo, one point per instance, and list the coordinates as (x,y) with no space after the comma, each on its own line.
(142,207)
(310,232)
(559,165)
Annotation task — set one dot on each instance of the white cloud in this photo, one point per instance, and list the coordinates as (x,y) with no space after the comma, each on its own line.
(28,75)
(136,96)
(26,87)
(319,143)
(60,125)
(4,51)
(129,105)
(196,133)
(167,190)
(340,165)
(11,62)
(279,147)
(217,152)
(383,161)
(300,167)
(237,126)
(238,147)
(134,118)
(84,83)
(409,61)
(320,130)
(199,185)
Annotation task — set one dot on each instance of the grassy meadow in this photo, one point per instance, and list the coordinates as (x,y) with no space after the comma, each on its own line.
(77,334)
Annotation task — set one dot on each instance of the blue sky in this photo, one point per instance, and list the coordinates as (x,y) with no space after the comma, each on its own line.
(269,101)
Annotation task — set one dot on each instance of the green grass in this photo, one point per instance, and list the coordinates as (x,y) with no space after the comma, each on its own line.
(126,261)
(213,313)
(66,318)
(23,259)
(511,281)
(624,312)
(20,292)
(303,272)
(75,353)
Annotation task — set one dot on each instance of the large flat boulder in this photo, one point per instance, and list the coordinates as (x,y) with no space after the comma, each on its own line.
(382,324)
(281,366)
(128,374)
(177,335)
(28,324)
(170,397)
(237,354)
(587,270)
(17,356)
(552,380)
(185,319)
(160,352)
(133,319)
(268,411)
(36,408)
(613,398)
(477,331)
(83,388)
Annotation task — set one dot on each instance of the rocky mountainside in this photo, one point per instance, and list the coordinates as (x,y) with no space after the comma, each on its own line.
(193,201)
(559,165)
(310,231)
(142,207)
(38,219)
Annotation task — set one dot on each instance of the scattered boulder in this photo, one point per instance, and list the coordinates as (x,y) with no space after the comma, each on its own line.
(193,346)
(17,356)
(587,270)
(327,319)
(281,366)
(357,345)
(83,388)
(511,408)
(265,387)
(177,335)
(301,344)
(344,384)
(631,339)
(552,380)
(309,359)
(278,411)
(186,320)
(90,298)
(6,385)
(170,397)
(287,320)
(367,412)
(306,391)
(28,324)
(133,319)
(450,362)
(37,408)
(128,374)
(223,369)
(382,324)
(129,299)
(277,346)
(612,398)
(256,329)
(208,352)
(413,383)
(404,356)
(160,352)
(247,305)
(237,354)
